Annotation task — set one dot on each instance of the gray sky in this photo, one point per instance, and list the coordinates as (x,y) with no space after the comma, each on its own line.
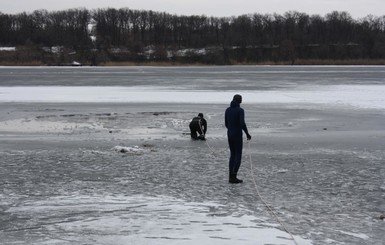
(218,8)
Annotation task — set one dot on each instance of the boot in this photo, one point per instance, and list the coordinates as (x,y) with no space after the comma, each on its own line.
(233,179)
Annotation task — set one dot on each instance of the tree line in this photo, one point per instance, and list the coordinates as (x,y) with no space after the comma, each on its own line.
(119,35)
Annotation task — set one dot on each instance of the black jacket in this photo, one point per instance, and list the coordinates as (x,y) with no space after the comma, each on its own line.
(235,120)
(199,122)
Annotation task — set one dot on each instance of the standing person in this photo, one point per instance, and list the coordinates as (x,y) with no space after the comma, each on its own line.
(235,123)
(198,125)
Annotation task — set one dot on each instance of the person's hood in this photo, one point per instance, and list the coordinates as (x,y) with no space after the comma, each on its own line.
(234,103)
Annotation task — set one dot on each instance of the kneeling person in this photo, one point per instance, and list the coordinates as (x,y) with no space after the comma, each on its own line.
(198,125)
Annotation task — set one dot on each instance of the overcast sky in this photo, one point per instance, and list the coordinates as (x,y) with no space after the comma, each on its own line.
(217,8)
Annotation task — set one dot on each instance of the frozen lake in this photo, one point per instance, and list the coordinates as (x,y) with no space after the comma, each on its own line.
(356,86)
(101,155)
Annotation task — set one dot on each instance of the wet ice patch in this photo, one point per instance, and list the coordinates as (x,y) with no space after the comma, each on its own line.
(31,125)
(137,220)
(309,119)
(372,155)
(358,235)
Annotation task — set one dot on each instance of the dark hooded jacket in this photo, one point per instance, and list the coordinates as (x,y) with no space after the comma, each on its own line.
(199,124)
(235,120)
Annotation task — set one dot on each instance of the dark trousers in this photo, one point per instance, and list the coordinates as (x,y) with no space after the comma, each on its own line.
(235,145)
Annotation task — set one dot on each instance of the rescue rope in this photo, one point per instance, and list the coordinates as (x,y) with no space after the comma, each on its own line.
(207,143)
(271,211)
(215,153)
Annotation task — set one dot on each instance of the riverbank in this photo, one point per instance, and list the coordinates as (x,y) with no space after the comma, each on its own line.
(296,62)
(172,63)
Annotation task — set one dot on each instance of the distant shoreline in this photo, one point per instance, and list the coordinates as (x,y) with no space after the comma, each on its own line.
(170,63)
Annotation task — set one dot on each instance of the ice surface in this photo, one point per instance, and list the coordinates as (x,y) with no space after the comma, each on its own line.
(120,168)
(33,125)
(145,220)
(361,96)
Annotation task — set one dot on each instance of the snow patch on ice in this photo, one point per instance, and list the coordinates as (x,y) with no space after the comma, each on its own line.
(7,48)
(135,150)
(361,96)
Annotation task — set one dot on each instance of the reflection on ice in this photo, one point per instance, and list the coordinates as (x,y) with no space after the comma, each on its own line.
(139,220)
